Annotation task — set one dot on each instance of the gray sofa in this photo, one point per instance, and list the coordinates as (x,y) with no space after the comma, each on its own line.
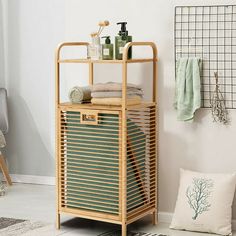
(4,126)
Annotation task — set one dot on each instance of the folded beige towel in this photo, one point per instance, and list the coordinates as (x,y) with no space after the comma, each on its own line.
(112,86)
(116,94)
(135,100)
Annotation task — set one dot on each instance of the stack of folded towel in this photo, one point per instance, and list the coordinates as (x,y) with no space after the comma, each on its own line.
(111,94)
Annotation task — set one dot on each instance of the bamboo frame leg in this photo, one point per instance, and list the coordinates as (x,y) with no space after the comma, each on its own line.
(58,131)
(124,151)
(4,169)
(58,221)
(124,230)
(90,73)
(154,218)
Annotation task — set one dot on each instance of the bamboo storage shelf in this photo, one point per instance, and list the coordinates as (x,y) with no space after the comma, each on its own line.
(106,61)
(107,155)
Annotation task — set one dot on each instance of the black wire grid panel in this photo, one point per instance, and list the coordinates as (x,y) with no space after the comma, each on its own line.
(209,32)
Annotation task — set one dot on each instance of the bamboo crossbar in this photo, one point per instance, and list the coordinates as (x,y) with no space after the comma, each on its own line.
(73,137)
(101,123)
(90,136)
(79,142)
(92,202)
(64,160)
(91,176)
(97,186)
(84,164)
(88,207)
(107,191)
(80,190)
(68,145)
(105,217)
(95,197)
(92,169)
(91,157)
(79,130)
(74,150)
(68,118)
(76,116)
(141,212)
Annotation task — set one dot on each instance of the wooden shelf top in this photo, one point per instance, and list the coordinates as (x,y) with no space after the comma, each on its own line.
(138,60)
(69,105)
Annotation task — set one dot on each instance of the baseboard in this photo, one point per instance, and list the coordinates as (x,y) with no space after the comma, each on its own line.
(166,217)
(33,179)
(234,225)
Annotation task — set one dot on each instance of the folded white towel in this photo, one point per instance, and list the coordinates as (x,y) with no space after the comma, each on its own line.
(112,86)
(116,94)
(135,100)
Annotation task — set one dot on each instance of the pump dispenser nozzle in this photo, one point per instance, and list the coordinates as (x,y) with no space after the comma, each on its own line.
(107,40)
(123,30)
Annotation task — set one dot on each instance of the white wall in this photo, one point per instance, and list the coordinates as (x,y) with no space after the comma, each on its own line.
(201,146)
(35,27)
(34,30)
(3,42)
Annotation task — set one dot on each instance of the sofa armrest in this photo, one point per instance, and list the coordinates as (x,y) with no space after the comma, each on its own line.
(4,125)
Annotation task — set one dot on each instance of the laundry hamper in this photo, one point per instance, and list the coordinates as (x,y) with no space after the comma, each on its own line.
(91,163)
(106,155)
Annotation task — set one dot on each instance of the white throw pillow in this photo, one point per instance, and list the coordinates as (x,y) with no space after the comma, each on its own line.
(204,202)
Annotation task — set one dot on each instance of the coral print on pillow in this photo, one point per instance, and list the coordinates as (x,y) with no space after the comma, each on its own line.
(198,196)
(204,202)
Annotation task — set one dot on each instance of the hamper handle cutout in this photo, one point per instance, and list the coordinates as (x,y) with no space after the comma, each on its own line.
(89,118)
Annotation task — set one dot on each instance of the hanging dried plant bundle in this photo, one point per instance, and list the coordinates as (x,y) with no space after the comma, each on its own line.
(218,109)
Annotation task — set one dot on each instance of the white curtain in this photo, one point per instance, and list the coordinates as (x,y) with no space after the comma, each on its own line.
(3,43)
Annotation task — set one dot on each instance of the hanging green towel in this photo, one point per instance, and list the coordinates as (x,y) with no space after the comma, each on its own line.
(187,88)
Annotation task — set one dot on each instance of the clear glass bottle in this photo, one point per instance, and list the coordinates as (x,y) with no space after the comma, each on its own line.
(95,49)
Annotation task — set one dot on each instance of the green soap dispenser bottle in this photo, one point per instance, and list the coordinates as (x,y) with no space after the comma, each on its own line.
(121,40)
(107,49)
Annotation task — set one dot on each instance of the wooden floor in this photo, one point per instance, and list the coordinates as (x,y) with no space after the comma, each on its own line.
(36,202)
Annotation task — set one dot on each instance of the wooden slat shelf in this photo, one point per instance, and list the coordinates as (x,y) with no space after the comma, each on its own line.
(69,105)
(138,60)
